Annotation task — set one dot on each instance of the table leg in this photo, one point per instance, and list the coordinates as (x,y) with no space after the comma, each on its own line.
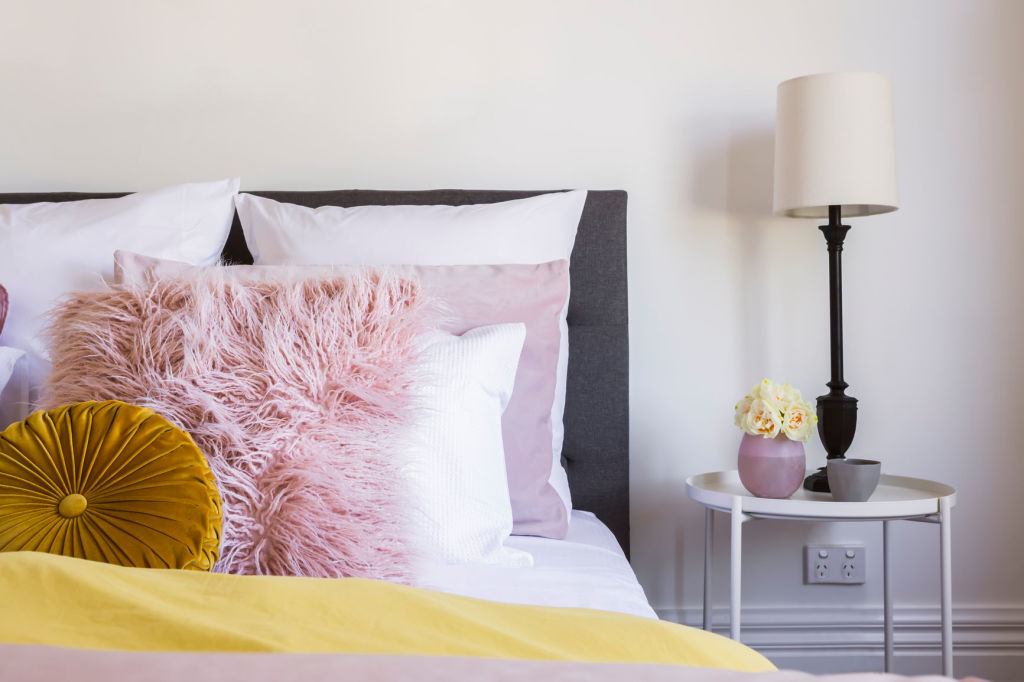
(887,596)
(947,587)
(735,566)
(709,534)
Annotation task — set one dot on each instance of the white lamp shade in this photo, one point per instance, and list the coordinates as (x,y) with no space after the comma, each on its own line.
(834,145)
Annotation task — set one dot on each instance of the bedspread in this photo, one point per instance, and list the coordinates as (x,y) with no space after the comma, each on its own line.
(72,603)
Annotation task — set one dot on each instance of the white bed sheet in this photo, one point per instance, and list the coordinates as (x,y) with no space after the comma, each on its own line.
(586,570)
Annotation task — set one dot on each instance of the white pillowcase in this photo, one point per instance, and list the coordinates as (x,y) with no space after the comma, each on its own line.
(8,358)
(460,498)
(528,231)
(531,231)
(49,249)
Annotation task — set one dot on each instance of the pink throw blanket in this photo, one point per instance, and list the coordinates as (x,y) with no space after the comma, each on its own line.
(25,663)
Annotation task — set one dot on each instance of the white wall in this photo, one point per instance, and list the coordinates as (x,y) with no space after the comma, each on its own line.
(674,102)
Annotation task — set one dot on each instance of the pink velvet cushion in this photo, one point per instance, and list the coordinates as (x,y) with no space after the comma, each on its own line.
(295,388)
(474,296)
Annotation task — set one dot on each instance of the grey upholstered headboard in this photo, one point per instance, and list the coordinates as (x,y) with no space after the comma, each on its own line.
(596,450)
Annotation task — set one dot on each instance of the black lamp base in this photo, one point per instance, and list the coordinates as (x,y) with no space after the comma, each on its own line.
(837,421)
(817,482)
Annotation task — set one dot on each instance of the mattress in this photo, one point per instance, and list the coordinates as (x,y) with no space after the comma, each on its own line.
(585,570)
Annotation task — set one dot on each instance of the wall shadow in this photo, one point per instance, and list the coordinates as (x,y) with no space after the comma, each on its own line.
(737,180)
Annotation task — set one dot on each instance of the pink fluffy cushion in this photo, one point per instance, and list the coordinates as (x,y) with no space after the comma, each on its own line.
(296,389)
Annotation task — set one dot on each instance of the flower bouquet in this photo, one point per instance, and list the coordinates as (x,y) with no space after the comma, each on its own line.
(771,409)
(776,422)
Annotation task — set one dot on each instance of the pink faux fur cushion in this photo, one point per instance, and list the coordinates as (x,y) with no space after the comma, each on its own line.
(295,389)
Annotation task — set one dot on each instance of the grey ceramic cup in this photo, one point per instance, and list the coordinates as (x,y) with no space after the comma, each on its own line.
(853,480)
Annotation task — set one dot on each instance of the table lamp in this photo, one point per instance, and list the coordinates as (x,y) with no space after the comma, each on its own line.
(834,157)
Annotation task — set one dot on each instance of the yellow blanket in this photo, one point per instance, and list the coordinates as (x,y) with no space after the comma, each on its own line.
(55,600)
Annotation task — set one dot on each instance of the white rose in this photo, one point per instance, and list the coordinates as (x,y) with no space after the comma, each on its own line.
(777,395)
(788,394)
(742,408)
(762,419)
(799,421)
(767,389)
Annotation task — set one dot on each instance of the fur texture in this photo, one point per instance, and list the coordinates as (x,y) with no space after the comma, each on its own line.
(297,390)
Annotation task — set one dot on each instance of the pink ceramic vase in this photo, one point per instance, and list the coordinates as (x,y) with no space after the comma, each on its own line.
(771,467)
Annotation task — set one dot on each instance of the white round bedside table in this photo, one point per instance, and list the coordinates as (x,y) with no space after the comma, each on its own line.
(896,498)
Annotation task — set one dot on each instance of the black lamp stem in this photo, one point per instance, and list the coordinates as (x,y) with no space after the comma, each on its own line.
(837,412)
(835,233)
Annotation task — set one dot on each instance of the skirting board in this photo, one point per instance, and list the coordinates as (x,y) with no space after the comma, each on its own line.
(988,641)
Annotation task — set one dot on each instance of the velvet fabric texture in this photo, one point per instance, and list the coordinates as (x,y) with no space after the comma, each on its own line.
(108,482)
(297,390)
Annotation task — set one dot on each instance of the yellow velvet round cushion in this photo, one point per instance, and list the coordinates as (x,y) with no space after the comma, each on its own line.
(110,482)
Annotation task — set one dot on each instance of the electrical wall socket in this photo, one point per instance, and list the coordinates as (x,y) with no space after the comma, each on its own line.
(834,564)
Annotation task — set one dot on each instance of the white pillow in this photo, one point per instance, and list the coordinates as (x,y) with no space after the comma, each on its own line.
(8,358)
(49,249)
(460,499)
(536,230)
(528,231)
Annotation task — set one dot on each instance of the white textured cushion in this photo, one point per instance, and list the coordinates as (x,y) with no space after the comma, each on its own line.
(531,231)
(49,249)
(460,496)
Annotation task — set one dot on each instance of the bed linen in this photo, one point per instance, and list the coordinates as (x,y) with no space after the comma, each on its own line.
(8,357)
(468,297)
(596,451)
(456,484)
(531,230)
(49,248)
(60,601)
(43,664)
(585,570)
(471,296)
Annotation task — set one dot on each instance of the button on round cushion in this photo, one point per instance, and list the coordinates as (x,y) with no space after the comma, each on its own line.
(110,482)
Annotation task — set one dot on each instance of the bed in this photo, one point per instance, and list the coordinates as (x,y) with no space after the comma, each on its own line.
(596,450)
(580,587)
